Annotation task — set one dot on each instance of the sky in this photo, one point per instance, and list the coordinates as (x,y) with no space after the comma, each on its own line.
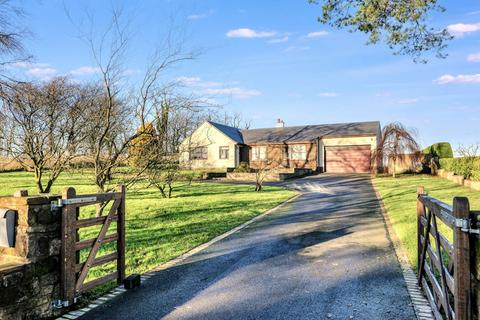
(273,59)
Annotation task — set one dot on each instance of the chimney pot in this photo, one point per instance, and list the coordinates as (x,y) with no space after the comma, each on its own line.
(280,123)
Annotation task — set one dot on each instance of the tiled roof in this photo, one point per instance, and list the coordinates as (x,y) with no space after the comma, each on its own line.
(231,132)
(310,132)
(299,133)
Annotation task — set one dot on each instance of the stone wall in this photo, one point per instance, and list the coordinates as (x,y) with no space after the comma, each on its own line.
(30,272)
(475,185)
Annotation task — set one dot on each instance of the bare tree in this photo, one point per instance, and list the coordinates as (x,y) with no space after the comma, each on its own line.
(11,35)
(395,143)
(123,108)
(232,119)
(45,126)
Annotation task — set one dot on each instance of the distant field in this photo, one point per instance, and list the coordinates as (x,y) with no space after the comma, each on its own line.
(400,195)
(160,229)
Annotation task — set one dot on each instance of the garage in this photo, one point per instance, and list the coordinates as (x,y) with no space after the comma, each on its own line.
(348,159)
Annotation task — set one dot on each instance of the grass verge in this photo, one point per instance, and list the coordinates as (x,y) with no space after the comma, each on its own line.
(158,229)
(400,195)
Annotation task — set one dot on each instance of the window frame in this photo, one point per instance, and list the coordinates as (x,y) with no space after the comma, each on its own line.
(223,148)
(298,155)
(257,156)
(203,153)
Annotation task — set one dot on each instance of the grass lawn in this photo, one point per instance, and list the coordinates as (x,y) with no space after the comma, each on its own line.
(158,229)
(400,195)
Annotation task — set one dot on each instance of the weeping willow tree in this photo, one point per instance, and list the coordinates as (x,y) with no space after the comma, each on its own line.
(396,143)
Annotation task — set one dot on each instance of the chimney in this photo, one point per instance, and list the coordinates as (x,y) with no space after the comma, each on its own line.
(280,123)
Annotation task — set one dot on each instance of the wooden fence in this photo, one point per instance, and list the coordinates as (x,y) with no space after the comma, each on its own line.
(74,272)
(444,266)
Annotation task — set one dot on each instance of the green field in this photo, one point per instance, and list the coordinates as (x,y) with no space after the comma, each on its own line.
(399,197)
(160,229)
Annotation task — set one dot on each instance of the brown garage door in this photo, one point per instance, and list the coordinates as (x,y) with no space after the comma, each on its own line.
(347,159)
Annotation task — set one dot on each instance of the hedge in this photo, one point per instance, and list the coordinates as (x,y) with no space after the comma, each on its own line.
(469,168)
(440,150)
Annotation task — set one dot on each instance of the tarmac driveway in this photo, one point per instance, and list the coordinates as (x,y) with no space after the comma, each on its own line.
(325,255)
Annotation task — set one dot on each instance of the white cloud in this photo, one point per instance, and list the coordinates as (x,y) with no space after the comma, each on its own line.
(461,78)
(474,12)
(249,33)
(278,40)
(383,94)
(28,65)
(294,95)
(198,16)
(197,82)
(42,71)
(296,49)
(328,94)
(234,92)
(316,34)
(189,81)
(85,71)
(459,29)
(131,72)
(474,57)
(408,101)
(218,88)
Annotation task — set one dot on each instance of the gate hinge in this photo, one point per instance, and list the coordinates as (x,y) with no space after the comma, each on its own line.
(62,202)
(466,226)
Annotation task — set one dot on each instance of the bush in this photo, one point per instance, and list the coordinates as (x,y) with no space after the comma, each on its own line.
(447,164)
(467,167)
(242,167)
(440,150)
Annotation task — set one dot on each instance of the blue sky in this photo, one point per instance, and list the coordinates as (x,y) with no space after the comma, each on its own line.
(272,59)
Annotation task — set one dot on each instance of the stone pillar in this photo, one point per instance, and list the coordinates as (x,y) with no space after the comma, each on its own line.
(30,272)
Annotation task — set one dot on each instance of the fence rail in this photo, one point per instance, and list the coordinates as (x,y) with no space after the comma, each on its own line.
(444,266)
(73,272)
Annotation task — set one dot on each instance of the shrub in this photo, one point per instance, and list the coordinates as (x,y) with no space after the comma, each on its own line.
(242,167)
(440,149)
(447,164)
(466,167)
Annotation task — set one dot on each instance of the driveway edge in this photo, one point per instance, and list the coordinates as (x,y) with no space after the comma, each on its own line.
(120,289)
(420,304)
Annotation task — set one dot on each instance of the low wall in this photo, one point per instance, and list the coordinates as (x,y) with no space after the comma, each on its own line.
(460,180)
(272,175)
(30,272)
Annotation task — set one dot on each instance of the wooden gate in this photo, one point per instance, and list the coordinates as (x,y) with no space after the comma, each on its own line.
(444,266)
(74,272)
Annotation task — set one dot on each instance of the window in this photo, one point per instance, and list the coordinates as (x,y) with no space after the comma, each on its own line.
(298,152)
(259,153)
(199,153)
(223,153)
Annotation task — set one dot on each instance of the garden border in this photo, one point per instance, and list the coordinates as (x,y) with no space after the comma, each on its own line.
(420,304)
(120,289)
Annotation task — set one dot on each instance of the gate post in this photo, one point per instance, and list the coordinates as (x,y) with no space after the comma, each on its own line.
(461,242)
(68,253)
(420,228)
(121,236)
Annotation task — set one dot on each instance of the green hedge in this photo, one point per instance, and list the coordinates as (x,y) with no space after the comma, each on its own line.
(469,168)
(440,149)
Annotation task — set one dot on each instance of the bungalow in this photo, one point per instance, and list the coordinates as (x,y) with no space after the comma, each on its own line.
(336,148)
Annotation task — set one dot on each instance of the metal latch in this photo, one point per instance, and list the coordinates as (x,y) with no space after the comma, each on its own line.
(466,226)
(59,304)
(61,202)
